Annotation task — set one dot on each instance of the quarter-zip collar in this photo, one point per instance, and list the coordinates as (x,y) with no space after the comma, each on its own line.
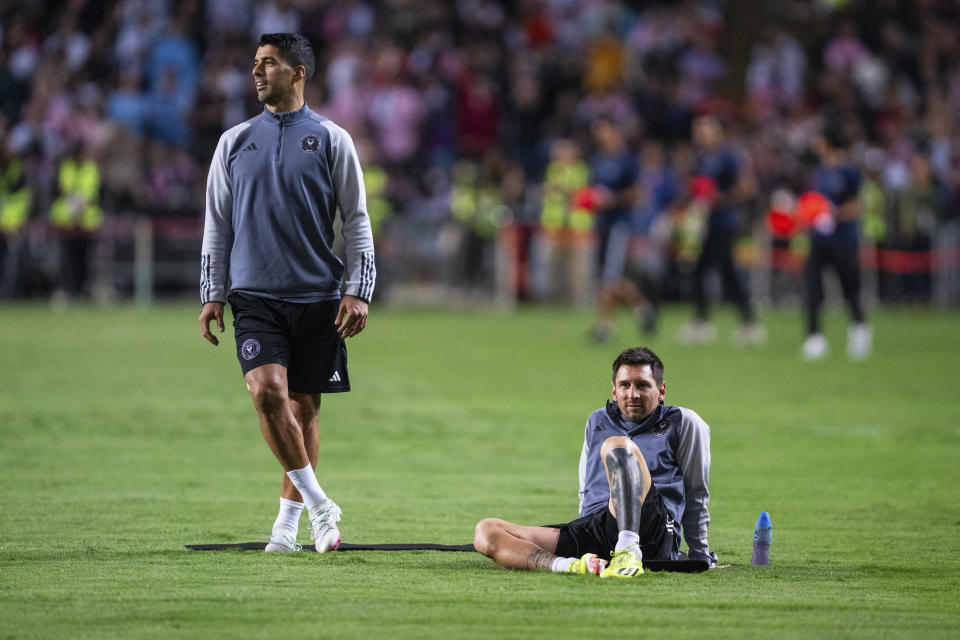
(286,118)
(633,428)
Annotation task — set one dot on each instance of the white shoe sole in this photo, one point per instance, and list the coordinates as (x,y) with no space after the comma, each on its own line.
(328,543)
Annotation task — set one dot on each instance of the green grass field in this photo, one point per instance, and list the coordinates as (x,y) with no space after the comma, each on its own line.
(125,436)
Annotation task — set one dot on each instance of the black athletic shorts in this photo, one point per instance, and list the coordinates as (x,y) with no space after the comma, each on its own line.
(598,532)
(300,336)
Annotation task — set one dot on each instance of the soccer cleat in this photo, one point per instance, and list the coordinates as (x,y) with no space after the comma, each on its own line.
(859,341)
(624,564)
(646,315)
(601,334)
(282,542)
(323,526)
(589,563)
(752,334)
(698,332)
(815,347)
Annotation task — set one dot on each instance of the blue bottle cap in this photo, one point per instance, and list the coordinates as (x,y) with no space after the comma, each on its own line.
(764,520)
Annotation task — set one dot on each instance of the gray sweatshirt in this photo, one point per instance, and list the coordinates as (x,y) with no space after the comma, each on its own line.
(675,442)
(276,182)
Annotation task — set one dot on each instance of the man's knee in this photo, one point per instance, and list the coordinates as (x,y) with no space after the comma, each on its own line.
(486,534)
(619,446)
(268,391)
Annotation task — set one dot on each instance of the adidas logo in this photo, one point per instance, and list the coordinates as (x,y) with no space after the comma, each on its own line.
(335,377)
(250,147)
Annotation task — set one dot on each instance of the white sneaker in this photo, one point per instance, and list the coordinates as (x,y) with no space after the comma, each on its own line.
(282,542)
(753,334)
(815,347)
(698,332)
(859,341)
(323,526)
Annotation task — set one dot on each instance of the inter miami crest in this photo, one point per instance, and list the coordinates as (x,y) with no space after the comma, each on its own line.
(661,427)
(310,143)
(250,349)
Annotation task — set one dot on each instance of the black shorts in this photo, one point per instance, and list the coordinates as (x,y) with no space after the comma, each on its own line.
(300,336)
(612,246)
(598,532)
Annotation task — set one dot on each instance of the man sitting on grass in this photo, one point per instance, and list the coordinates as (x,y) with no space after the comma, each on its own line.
(644,467)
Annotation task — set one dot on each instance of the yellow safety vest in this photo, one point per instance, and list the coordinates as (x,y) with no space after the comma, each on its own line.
(378,207)
(78,182)
(476,207)
(874,205)
(562,180)
(14,203)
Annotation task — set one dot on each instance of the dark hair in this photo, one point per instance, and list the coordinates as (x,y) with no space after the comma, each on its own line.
(834,133)
(639,356)
(293,48)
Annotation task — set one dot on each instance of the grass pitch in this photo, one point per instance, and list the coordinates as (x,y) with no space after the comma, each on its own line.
(125,436)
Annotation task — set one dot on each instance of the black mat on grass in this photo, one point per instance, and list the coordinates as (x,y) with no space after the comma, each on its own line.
(679,566)
(344,546)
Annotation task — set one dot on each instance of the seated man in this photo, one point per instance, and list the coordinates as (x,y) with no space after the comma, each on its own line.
(644,467)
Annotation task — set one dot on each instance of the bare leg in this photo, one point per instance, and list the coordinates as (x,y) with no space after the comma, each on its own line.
(630,294)
(606,301)
(514,546)
(629,480)
(305,407)
(268,388)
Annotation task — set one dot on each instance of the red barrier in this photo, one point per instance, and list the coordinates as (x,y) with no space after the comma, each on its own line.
(177,228)
(894,261)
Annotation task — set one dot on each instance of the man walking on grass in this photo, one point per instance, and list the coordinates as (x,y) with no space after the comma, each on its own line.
(275,184)
(644,470)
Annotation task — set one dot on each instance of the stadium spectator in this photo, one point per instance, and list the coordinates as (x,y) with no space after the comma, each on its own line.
(775,75)
(77,215)
(916,211)
(126,104)
(15,197)
(395,111)
(566,223)
(504,78)
(475,205)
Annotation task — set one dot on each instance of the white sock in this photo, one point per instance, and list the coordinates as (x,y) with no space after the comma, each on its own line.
(627,538)
(562,565)
(306,483)
(288,517)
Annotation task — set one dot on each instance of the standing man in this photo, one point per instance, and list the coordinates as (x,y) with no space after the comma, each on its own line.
(644,468)
(722,185)
(77,216)
(275,184)
(613,173)
(834,240)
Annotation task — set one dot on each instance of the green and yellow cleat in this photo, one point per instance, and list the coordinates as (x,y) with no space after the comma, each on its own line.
(589,563)
(624,564)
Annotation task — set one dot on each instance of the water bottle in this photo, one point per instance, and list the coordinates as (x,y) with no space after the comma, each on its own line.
(762,537)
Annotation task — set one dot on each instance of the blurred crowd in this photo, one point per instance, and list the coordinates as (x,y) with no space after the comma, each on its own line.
(462,111)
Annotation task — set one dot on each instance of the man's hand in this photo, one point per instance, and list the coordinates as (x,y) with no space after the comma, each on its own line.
(351,317)
(211,311)
(715,564)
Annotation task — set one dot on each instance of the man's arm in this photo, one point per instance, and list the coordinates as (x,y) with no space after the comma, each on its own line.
(584,456)
(693,459)
(217,238)
(361,269)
